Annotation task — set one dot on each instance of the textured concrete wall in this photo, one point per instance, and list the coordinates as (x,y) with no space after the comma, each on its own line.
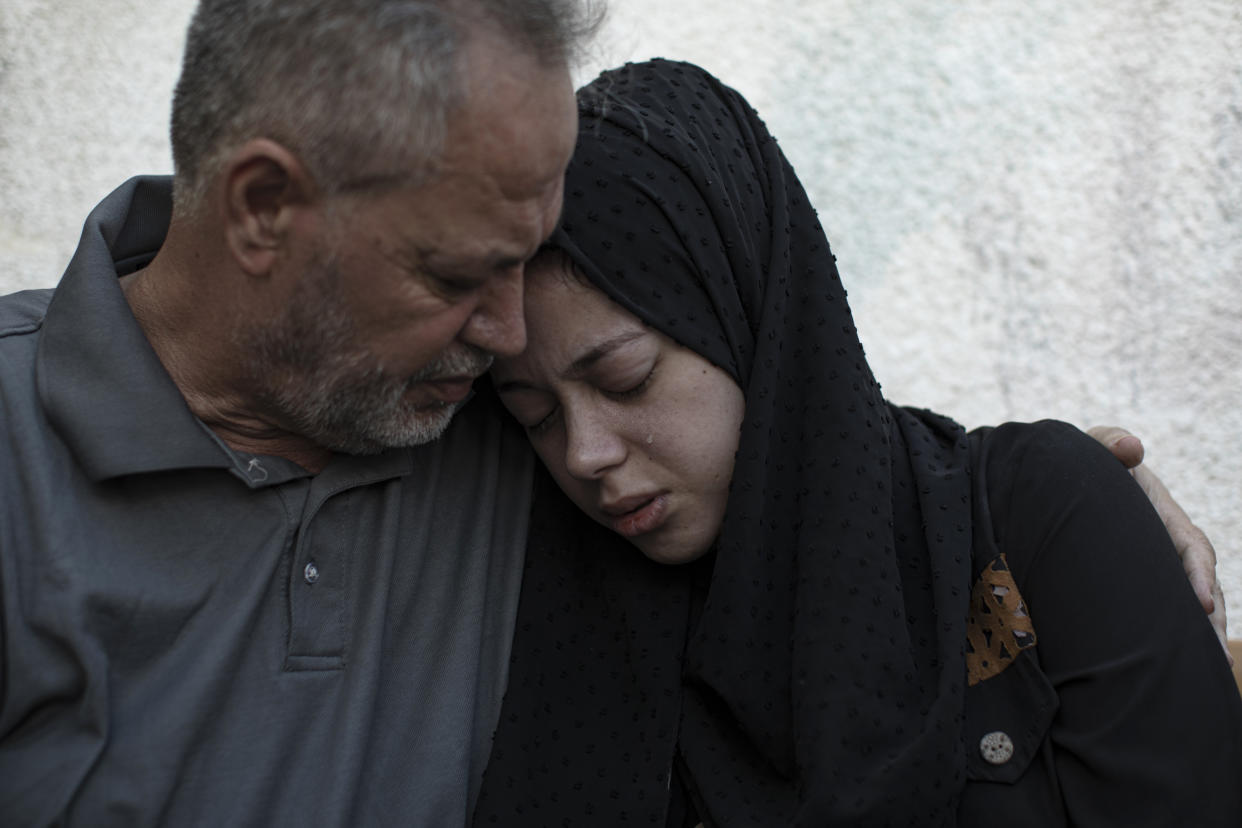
(1037,204)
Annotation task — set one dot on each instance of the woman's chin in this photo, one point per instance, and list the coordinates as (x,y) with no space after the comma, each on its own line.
(671,541)
(671,553)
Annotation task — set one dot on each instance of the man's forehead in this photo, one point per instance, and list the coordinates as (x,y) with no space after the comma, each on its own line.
(496,194)
(519,114)
(469,227)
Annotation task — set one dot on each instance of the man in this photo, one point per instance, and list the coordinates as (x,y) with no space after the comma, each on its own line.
(247,576)
(242,582)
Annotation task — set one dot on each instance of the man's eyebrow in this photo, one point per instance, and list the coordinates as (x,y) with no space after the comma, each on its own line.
(437,260)
(583,363)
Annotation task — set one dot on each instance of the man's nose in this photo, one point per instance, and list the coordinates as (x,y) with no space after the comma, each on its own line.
(497,324)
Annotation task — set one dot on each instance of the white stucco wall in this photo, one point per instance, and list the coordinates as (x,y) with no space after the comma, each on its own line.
(1036,204)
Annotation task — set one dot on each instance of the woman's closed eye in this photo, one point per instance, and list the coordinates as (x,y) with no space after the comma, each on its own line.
(543,425)
(532,409)
(628,391)
(616,391)
(537,419)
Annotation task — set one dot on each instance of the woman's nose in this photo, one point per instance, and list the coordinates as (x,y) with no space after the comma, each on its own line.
(592,445)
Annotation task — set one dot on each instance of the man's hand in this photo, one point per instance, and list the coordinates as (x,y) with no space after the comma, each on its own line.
(1198,556)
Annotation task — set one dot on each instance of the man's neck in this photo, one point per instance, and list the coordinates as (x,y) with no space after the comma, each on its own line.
(191,330)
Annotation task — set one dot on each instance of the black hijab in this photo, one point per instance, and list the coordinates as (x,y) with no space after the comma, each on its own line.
(810,671)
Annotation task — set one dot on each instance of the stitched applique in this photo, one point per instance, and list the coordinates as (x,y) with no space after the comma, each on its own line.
(998,627)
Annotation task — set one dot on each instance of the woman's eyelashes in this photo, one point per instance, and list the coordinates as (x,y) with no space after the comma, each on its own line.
(635,390)
(543,425)
(619,390)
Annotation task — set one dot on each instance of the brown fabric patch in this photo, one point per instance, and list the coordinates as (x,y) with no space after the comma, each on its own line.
(998,627)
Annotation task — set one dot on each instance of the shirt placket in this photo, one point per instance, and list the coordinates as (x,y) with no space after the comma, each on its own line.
(318,619)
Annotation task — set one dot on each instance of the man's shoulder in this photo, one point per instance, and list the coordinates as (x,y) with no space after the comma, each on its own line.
(21,321)
(23,312)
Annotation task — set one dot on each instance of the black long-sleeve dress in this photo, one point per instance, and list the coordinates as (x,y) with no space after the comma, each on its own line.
(1126,712)
(854,651)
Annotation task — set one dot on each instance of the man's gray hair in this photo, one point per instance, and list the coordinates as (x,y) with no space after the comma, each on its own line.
(357,89)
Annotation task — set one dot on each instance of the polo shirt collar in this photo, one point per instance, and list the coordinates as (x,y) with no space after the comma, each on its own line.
(105,390)
(101,384)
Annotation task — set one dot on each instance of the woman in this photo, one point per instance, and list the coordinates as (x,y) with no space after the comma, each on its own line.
(879,621)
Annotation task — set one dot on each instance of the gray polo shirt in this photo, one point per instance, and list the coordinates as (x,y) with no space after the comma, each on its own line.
(196,636)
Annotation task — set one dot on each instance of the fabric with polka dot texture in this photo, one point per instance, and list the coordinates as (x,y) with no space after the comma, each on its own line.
(810,671)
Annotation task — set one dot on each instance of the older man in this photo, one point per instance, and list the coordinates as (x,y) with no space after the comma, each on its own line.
(242,583)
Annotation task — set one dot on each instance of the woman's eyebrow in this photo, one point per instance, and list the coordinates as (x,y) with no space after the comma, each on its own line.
(580,365)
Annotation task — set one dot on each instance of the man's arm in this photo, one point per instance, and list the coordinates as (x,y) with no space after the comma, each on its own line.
(1198,555)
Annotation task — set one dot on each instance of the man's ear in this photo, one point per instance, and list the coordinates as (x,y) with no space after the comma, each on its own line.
(265,188)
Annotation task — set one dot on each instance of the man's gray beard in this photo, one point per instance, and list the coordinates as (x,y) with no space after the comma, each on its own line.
(317,379)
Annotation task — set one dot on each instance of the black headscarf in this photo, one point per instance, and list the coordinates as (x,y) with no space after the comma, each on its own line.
(810,671)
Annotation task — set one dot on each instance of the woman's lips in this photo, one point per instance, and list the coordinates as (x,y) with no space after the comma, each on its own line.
(647,515)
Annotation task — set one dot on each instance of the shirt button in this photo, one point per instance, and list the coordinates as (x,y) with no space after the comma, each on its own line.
(996,747)
(311,573)
(255,470)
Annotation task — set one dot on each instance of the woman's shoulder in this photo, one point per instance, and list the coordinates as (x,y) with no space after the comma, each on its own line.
(1034,481)
(1142,693)
(1048,459)
(1050,446)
